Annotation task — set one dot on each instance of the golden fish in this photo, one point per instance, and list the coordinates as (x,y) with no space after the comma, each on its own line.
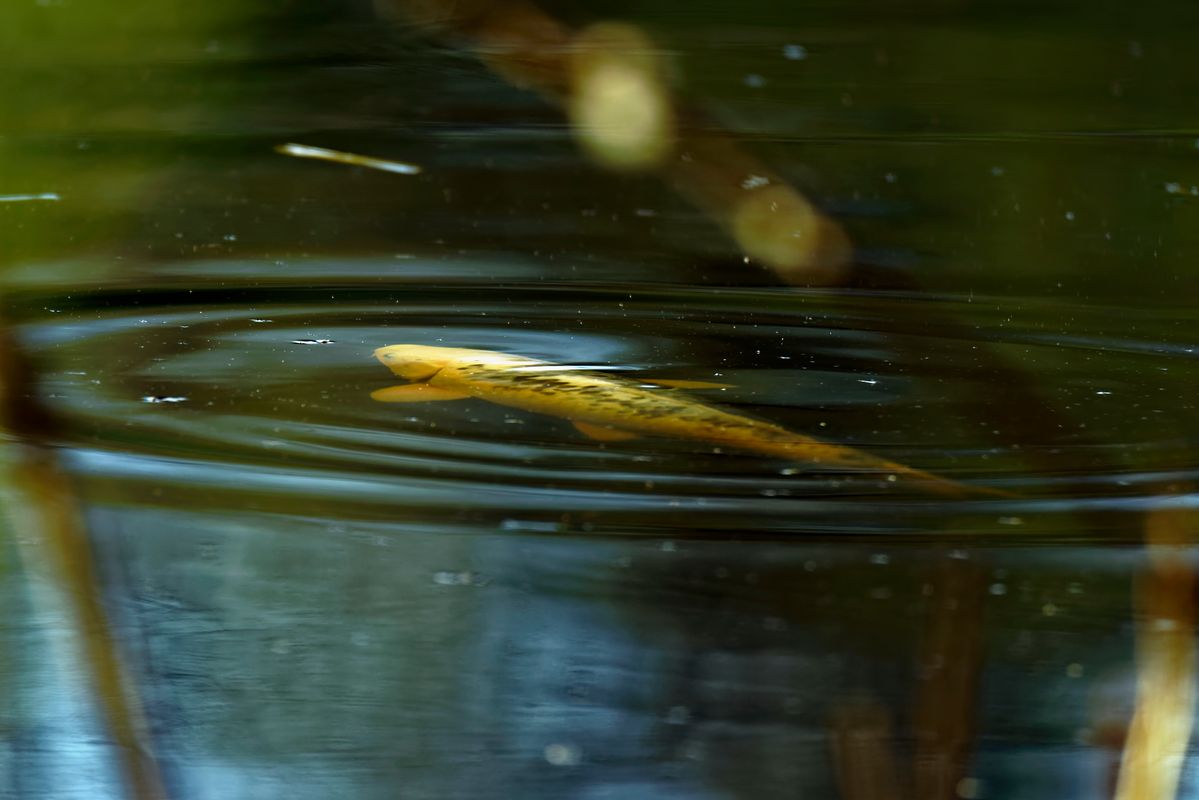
(612,409)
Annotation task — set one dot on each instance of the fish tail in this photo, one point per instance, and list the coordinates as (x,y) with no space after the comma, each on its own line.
(816,453)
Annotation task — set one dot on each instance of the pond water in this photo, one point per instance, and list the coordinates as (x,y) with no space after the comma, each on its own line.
(228,572)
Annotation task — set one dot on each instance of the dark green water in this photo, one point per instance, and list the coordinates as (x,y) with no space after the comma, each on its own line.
(316,595)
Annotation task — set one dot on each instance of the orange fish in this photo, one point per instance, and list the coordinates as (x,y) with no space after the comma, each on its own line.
(612,409)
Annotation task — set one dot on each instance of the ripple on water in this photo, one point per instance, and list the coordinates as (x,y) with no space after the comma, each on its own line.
(264,393)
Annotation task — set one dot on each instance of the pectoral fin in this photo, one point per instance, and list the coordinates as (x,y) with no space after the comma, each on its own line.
(673,384)
(602,434)
(415,393)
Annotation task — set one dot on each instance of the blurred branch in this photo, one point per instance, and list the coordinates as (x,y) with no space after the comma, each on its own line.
(943,722)
(1156,747)
(43,512)
(865,764)
(609,79)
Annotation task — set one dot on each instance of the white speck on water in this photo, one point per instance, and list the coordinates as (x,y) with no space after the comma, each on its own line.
(535,526)
(880,558)
(754,181)
(997,171)
(890,177)
(1069,216)
(795,52)
(29,198)
(448,577)
(1011,521)
(668,547)
(678,715)
(998,589)
(155,398)
(755,81)
(868,381)
(1102,392)
(230,237)
(562,755)
(312,341)
(1175,188)
(646,212)
(259,320)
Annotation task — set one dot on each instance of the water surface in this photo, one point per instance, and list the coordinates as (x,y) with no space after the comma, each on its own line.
(312,594)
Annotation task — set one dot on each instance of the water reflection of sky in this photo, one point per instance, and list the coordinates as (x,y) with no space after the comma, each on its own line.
(296,656)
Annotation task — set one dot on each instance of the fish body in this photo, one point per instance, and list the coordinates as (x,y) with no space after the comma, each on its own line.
(612,408)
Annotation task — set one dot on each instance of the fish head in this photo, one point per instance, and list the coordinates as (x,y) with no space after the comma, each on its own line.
(416,362)
(420,362)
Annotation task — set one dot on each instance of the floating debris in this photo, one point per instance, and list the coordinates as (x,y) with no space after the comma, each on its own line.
(795,52)
(28,198)
(325,154)
(312,341)
(563,755)
(530,526)
(447,577)
(1178,188)
(159,398)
